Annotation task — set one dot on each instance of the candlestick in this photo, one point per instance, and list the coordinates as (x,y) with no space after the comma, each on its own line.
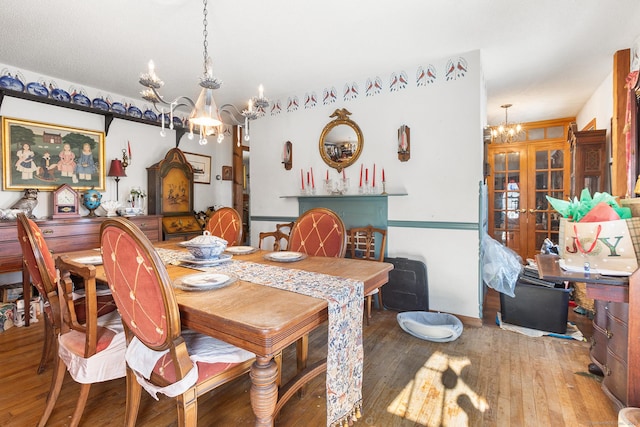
(313,182)
(374,175)
(302,178)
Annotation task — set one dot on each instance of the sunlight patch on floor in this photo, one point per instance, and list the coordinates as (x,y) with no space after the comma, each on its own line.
(436,396)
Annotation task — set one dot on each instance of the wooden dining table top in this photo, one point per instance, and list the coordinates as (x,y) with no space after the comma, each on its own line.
(258,318)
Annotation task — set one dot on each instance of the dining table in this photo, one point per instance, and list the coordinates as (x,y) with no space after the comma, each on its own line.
(264,319)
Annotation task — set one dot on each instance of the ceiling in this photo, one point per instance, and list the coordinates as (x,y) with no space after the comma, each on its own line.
(546,57)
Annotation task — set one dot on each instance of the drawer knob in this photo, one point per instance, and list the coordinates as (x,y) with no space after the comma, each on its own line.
(609,334)
(47,231)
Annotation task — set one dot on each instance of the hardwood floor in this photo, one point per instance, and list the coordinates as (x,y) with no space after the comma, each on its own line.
(487,377)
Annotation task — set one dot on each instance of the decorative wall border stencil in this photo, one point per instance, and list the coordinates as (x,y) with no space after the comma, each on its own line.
(276,108)
(292,104)
(425,76)
(329,96)
(373,87)
(456,69)
(398,81)
(351,91)
(310,100)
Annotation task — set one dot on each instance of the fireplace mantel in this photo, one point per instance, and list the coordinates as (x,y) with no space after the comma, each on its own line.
(356,210)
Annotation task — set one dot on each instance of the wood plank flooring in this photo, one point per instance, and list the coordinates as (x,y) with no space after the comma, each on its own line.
(487,377)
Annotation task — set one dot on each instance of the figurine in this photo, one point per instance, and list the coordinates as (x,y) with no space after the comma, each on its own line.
(27,204)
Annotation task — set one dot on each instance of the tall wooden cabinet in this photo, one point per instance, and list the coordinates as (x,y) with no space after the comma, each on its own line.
(170,185)
(588,160)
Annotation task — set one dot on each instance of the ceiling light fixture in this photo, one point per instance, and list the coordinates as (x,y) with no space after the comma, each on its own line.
(506,132)
(204,112)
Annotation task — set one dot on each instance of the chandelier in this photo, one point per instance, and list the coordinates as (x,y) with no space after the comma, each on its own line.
(205,114)
(506,132)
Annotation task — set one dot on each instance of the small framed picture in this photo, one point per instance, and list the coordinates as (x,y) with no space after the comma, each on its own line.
(227,173)
(201,165)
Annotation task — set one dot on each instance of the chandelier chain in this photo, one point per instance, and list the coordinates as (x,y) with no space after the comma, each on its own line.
(205,33)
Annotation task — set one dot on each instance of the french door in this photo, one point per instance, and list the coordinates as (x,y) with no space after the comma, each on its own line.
(521,176)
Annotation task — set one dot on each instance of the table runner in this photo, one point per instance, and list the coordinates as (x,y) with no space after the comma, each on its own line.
(345,298)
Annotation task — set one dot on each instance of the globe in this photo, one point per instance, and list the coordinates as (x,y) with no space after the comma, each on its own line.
(91,200)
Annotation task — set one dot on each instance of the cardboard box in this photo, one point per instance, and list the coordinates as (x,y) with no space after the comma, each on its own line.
(537,307)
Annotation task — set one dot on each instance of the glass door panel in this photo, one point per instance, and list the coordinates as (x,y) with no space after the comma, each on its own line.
(553,181)
(505,189)
(523,175)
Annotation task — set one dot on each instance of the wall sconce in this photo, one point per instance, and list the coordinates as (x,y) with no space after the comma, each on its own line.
(404,143)
(287,155)
(125,159)
(116,170)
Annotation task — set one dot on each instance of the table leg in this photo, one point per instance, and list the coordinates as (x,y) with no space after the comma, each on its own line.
(264,390)
(26,294)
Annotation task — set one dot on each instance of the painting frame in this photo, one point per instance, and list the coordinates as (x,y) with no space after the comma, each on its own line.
(55,155)
(201,164)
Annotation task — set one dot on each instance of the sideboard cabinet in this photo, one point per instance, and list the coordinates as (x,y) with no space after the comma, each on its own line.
(65,235)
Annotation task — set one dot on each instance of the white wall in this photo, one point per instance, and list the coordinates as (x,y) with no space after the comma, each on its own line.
(599,107)
(441,178)
(147,147)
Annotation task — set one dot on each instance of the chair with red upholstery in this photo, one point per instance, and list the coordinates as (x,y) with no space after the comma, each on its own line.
(368,243)
(319,232)
(226,223)
(93,351)
(159,354)
(41,268)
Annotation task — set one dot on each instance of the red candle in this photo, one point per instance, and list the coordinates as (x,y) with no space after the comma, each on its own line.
(366,175)
(313,182)
(383,180)
(361,166)
(344,176)
(327,175)
(308,180)
(374,174)
(302,178)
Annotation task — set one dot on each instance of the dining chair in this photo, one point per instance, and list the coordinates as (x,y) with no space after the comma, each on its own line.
(39,264)
(226,223)
(368,243)
(319,232)
(160,356)
(280,235)
(91,352)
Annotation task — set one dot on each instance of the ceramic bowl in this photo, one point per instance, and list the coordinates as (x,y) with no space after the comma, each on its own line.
(111,206)
(205,246)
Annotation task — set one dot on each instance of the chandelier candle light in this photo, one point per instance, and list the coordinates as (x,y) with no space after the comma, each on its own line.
(506,132)
(204,112)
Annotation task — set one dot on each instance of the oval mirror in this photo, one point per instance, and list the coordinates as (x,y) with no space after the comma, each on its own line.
(341,141)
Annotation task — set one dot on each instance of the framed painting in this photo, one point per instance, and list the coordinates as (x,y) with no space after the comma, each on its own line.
(201,165)
(45,156)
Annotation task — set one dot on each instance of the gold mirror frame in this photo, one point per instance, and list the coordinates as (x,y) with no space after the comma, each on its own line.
(346,157)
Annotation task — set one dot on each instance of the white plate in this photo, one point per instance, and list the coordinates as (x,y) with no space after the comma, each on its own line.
(204,281)
(285,256)
(92,259)
(240,250)
(190,259)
